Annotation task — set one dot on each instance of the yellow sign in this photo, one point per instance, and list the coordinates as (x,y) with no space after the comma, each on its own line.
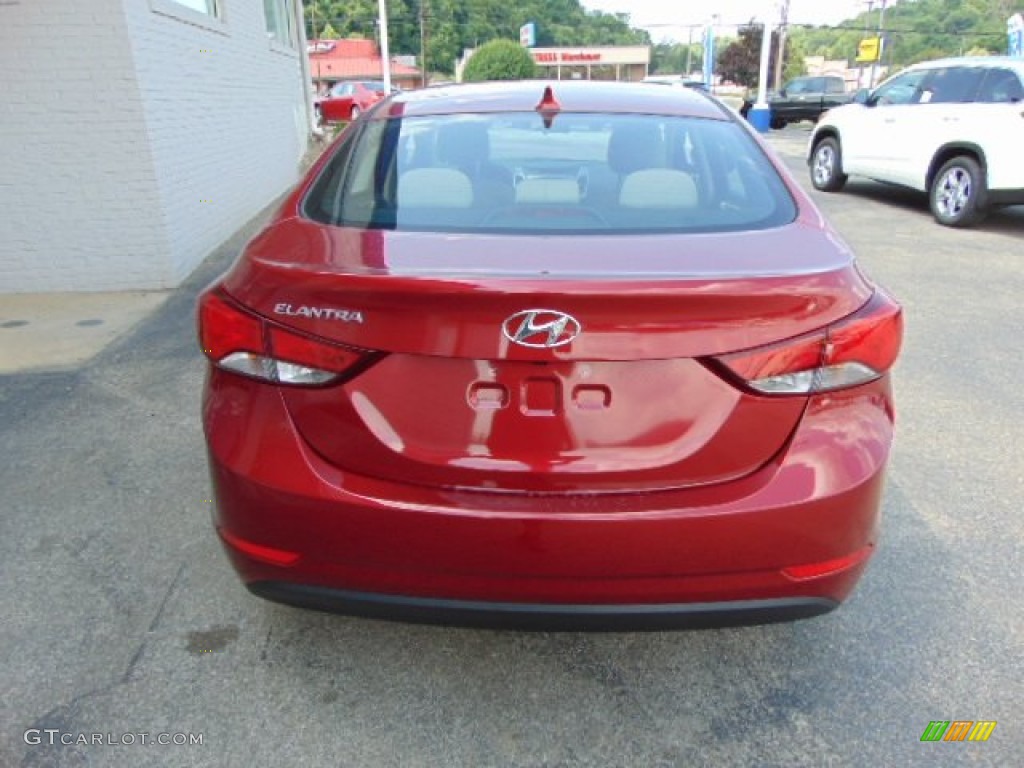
(869,49)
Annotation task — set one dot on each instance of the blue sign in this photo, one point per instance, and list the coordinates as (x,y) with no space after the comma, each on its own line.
(528,35)
(709,56)
(1015,31)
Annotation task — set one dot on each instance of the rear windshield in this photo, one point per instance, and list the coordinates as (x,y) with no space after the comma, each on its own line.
(583,173)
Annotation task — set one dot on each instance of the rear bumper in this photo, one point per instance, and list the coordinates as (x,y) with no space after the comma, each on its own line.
(551,617)
(786,542)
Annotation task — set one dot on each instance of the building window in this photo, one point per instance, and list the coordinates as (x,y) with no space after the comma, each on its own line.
(209,7)
(208,14)
(281,22)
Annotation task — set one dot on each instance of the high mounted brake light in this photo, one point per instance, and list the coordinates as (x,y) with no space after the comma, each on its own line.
(548,107)
(237,340)
(853,351)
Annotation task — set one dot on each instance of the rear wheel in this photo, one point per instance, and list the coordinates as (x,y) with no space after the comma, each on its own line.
(957,194)
(827,166)
(777,123)
(354,114)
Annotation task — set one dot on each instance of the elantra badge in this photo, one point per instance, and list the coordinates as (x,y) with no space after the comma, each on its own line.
(318,313)
(541,328)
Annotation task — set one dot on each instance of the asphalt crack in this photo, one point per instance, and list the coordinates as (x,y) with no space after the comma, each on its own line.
(63,717)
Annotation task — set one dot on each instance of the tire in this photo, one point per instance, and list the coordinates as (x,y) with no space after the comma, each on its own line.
(827,166)
(777,123)
(318,117)
(957,195)
(354,114)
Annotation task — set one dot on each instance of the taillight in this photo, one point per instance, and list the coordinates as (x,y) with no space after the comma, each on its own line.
(853,351)
(237,340)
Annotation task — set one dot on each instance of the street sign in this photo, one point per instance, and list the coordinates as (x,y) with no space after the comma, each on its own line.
(1015,31)
(708,70)
(869,50)
(528,35)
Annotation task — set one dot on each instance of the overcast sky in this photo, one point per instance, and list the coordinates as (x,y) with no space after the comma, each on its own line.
(665,19)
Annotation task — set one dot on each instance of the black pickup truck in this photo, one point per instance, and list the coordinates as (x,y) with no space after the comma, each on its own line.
(803,98)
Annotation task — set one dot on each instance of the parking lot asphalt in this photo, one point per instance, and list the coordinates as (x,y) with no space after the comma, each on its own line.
(121,615)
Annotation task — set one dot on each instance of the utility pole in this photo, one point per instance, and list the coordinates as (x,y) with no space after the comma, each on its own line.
(781,56)
(760,114)
(881,27)
(385,56)
(424,13)
(689,48)
(860,74)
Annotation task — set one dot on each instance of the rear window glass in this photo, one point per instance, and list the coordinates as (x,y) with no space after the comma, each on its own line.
(953,85)
(584,173)
(806,85)
(1000,86)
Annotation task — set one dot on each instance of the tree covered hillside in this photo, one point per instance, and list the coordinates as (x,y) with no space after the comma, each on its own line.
(916,30)
(452,25)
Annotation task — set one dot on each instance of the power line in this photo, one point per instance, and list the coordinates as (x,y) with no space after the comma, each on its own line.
(414,21)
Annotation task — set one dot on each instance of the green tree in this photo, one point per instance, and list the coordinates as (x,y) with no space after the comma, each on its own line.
(358,18)
(451,26)
(500,60)
(917,31)
(740,60)
(672,58)
(794,65)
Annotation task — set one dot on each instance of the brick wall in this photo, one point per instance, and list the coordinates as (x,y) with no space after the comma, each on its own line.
(225,114)
(77,181)
(135,136)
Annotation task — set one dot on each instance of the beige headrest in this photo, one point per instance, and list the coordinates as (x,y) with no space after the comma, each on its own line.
(434,188)
(658,188)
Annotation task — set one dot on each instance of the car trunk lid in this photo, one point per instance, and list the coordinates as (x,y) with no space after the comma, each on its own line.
(628,404)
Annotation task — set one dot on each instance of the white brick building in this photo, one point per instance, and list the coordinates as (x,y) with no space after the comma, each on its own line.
(137,135)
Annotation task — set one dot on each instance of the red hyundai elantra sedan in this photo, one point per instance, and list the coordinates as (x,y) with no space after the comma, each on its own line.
(568,355)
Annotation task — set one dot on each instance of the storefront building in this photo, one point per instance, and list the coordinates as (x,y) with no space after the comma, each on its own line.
(628,63)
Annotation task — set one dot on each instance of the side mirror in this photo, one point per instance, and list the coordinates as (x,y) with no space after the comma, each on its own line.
(862,96)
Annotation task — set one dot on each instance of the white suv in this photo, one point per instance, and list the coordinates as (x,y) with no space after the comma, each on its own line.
(952,128)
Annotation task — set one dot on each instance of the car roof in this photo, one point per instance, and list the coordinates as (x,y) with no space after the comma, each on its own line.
(572,96)
(986,62)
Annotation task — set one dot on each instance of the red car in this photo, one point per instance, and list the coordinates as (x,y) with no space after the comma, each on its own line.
(345,101)
(571,355)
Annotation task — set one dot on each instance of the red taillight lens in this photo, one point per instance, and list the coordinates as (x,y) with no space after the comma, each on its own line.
(224,327)
(853,351)
(291,347)
(872,336)
(237,340)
